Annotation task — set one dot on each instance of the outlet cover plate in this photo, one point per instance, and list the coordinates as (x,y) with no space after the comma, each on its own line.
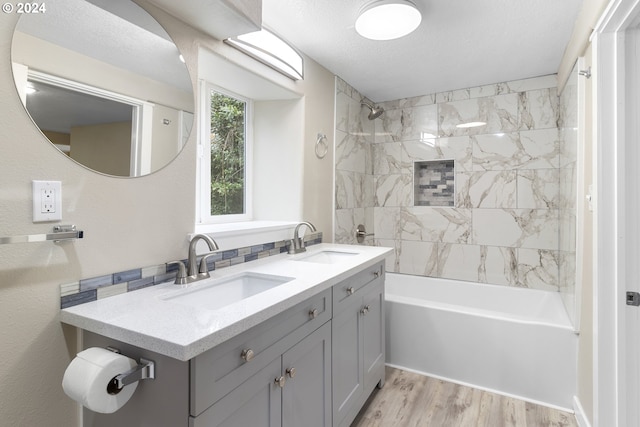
(47,201)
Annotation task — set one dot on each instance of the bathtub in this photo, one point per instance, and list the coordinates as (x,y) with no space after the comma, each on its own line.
(513,341)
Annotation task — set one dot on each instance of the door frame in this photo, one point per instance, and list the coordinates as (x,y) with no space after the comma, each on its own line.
(616,237)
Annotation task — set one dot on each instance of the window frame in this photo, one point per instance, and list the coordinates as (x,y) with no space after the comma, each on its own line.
(204,164)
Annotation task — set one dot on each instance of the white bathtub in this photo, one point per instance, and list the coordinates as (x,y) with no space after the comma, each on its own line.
(516,342)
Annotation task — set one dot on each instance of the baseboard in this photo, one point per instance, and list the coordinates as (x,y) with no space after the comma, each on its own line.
(578,410)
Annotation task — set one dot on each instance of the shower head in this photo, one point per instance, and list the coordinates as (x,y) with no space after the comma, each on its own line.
(374,112)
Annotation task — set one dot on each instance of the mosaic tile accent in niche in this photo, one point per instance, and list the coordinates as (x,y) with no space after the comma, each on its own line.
(434,183)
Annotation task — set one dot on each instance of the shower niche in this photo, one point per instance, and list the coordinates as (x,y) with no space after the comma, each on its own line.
(434,183)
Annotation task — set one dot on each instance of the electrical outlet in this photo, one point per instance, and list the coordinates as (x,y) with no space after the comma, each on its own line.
(47,201)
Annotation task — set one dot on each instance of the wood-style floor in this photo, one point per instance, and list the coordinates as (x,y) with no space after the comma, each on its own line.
(413,400)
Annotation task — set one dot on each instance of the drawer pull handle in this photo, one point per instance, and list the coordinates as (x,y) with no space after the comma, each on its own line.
(376,274)
(350,290)
(247,355)
(280,381)
(291,372)
(365,310)
(313,313)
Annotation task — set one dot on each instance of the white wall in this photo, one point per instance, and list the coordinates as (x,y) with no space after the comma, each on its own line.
(128,223)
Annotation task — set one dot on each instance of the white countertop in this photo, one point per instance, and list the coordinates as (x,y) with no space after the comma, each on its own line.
(144,319)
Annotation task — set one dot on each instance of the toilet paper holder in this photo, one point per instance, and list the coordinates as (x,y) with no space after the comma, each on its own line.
(146,369)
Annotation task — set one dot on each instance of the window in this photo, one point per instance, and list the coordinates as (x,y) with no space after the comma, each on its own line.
(225,161)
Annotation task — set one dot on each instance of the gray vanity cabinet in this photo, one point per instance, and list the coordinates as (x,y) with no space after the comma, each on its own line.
(357,341)
(292,390)
(313,365)
(306,395)
(276,374)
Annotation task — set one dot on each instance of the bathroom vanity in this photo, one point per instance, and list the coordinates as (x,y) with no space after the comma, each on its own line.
(306,349)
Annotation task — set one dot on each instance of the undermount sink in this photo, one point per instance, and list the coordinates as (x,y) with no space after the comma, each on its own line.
(327,257)
(226,291)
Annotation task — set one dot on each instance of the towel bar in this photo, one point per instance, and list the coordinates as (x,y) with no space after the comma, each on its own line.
(60,233)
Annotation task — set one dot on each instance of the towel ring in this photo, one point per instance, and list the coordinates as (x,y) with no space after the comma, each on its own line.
(322,148)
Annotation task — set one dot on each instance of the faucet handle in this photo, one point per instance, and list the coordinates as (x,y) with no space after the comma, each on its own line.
(181,276)
(203,271)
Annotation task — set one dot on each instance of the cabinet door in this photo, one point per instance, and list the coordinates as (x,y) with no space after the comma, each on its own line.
(256,402)
(347,370)
(306,396)
(374,340)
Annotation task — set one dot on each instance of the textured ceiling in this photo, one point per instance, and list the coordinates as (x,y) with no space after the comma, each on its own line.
(459,44)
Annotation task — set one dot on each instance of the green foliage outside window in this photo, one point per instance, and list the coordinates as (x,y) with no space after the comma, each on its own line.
(227,154)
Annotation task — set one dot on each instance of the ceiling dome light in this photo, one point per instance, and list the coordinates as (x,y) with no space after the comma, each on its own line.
(387,19)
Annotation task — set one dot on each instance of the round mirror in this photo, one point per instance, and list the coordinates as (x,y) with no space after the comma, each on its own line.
(104,83)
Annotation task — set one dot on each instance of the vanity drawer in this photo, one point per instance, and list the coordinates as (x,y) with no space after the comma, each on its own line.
(345,291)
(220,370)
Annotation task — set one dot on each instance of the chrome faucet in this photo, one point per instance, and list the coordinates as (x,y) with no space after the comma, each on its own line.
(296,245)
(194,273)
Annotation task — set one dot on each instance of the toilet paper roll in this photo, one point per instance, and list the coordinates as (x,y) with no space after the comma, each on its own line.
(88,375)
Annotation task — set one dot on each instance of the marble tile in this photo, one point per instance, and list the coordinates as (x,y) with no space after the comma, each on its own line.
(350,115)
(538,189)
(419,123)
(500,113)
(518,228)
(568,141)
(349,189)
(368,149)
(538,269)
(568,111)
(567,234)
(536,149)
(453,95)
(346,221)
(342,112)
(488,189)
(369,191)
(350,154)
(344,87)
(462,183)
(435,224)
(488,90)
(460,262)
(386,222)
(387,158)
(415,101)
(535,83)
(568,187)
(388,127)
(392,263)
(538,109)
(419,258)
(567,272)
(498,265)
(458,148)
(393,190)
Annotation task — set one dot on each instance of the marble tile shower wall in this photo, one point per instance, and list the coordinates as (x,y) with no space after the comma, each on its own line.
(354,165)
(503,227)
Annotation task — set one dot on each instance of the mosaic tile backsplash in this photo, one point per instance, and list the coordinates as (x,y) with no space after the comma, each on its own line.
(96,288)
